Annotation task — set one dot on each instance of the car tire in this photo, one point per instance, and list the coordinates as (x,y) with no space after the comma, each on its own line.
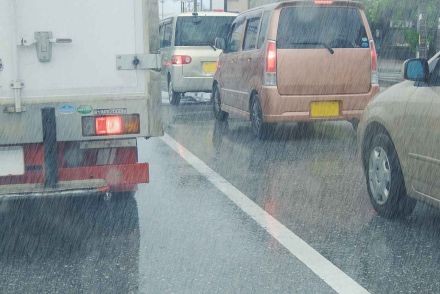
(385,182)
(260,129)
(173,97)
(219,114)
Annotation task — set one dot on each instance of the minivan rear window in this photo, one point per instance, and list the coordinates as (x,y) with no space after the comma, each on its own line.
(201,31)
(317,27)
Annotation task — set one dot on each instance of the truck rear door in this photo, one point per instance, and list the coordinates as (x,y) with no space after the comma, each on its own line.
(77,56)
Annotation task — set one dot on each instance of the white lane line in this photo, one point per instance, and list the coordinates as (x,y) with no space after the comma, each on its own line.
(323,268)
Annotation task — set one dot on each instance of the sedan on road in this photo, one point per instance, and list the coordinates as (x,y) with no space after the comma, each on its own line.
(399,137)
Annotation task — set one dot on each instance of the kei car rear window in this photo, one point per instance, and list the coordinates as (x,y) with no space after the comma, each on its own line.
(317,27)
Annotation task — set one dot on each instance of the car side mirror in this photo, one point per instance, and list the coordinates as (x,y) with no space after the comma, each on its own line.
(416,70)
(220,43)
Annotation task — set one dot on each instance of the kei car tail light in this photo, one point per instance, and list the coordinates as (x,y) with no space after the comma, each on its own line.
(270,77)
(181,59)
(271,57)
(110,125)
(374,71)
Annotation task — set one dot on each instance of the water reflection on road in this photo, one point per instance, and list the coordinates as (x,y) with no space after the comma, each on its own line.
(66,245)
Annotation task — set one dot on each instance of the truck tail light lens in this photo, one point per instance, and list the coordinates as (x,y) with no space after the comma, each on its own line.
(270,76)
(181,59)
(110,125)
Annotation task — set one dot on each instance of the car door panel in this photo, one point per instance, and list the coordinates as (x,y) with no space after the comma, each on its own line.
(247,61)
(424,148)
(430,185)
(417,131)
(229,74)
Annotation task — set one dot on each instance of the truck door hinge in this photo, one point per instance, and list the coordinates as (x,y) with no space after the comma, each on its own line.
(138,62)
(43,42)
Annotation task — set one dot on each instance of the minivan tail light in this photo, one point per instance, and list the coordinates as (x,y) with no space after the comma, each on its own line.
(373,55)
(271,57)
(270,74)
(181,59)
(374,71)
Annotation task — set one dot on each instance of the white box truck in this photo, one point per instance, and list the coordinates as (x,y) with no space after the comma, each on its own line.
(79,83)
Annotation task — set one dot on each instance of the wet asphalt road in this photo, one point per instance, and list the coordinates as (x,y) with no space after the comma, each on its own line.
(182,235)
(312,182)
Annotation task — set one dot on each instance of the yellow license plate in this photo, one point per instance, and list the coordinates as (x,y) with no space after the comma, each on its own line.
(209,67)
(325,109)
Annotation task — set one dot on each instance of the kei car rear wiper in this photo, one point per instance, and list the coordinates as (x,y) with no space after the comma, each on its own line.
(325,45)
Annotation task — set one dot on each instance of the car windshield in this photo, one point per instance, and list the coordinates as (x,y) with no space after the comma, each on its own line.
(201,30)
(314,27)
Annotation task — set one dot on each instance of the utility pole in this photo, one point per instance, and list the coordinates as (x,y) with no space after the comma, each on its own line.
(423,30)
(226,6)
(195,6)
(162,1)
(210,5)
(438,36)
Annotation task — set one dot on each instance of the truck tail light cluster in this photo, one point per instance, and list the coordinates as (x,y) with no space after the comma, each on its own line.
(181,59)
(110,125)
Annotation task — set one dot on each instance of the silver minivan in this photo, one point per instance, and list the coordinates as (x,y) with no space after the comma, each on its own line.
(189,58)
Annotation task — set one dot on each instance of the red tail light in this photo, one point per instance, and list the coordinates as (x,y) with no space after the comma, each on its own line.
(323,2)
(374,72)
(271,57)
(181,59)
(109,125)
(373,56)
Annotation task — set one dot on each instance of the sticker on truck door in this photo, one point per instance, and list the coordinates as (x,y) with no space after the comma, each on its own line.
(111,111)
(84,109)
(66,109)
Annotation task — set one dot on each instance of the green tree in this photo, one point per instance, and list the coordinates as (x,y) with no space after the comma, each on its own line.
(381,12)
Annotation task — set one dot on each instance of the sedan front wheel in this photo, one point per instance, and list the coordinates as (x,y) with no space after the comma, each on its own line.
(386,185)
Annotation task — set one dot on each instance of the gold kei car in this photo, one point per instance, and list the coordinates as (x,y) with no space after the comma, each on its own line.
(399,137)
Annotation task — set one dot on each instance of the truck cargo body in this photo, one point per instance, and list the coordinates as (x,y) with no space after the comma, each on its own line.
(93,64)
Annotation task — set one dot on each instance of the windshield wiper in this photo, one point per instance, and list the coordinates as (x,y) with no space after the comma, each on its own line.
(325,45)
(213,47)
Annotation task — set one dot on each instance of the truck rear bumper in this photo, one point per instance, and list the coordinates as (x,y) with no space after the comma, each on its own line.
(82,180)
(68,188)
